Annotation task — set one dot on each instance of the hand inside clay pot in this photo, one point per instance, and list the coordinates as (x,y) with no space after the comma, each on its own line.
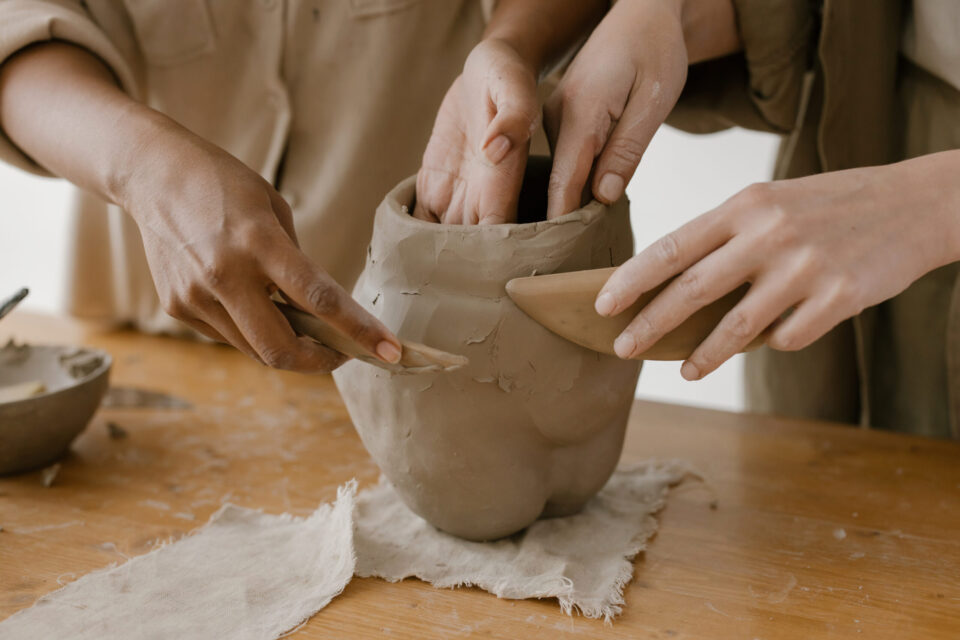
(533,426)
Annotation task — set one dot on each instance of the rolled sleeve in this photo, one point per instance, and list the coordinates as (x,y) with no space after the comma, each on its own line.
(27,22)
(762,87)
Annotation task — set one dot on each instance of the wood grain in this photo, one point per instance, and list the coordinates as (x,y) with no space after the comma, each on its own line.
(819,530)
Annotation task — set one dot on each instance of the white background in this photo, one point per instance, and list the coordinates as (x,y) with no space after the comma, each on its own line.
(681,176)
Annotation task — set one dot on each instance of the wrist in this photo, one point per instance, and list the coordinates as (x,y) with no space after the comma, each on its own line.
(543,32)
(924,190)
(159,155)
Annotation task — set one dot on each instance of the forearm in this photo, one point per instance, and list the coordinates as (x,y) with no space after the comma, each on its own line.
(62,107)
(543,31)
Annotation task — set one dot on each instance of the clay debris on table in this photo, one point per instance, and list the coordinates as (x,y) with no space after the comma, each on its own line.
(134,398)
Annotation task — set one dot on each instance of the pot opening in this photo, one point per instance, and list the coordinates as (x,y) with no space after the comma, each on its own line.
(532,204)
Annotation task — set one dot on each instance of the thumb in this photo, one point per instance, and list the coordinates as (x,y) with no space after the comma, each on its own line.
(517,114)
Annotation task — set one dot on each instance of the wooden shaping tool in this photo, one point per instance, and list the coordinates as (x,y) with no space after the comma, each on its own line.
(414,358)
(563,303)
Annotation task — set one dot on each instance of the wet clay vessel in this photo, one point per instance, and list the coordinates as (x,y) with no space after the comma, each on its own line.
(533,426)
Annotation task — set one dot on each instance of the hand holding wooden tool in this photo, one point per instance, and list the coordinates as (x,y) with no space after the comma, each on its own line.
(414,358)
(564,304)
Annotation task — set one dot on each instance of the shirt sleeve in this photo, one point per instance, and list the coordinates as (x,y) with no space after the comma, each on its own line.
(27,22)
(488,7)
(760,88)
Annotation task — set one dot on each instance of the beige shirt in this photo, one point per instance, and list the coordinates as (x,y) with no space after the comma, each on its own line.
(331,100)
(931,38)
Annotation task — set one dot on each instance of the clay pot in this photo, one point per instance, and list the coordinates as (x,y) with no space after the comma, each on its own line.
(533,426)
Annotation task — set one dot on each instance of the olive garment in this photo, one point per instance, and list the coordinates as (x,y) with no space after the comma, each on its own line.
(331,101)
(850,83)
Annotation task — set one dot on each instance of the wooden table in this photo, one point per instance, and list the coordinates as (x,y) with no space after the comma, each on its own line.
(820,530)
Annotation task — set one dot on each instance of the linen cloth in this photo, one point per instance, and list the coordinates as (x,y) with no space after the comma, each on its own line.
(584,560)
(252,576)
(246,575)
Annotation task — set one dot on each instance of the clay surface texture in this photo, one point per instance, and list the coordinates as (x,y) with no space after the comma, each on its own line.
(533,426)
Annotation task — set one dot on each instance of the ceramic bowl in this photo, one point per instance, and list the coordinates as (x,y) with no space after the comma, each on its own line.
(37,430)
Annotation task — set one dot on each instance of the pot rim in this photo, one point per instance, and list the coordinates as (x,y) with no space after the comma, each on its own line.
(394,203)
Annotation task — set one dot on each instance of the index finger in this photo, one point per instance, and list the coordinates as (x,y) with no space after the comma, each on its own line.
(312,288)
(665,258)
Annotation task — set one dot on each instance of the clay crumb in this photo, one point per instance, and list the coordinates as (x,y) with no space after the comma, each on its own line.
(134,398)
(115,431)
(839,534)
(13,354)
(80,363)
(49,475)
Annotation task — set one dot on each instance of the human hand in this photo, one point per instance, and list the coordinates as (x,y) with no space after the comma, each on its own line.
(618,90)
(815,250)
(474,162)
(220,241)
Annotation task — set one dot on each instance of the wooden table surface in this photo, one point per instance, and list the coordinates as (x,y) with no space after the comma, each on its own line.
(819,530)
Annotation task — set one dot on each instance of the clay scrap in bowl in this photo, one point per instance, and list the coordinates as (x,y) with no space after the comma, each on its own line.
(63,386)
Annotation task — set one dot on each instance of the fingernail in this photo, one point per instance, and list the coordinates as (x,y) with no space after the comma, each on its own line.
(625,345)
(605,304)
(689,371)
(610,188)
(497,148)
(388,352)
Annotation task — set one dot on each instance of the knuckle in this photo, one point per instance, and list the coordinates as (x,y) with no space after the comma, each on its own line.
(781,226)
(215,273)
(809,263)
(783,341)
(277,357)
(642,327)
(846,292)
(691,286)
(323,299)
(739,325)
(758,194)
(363,332)
(667,250)
(624,151)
